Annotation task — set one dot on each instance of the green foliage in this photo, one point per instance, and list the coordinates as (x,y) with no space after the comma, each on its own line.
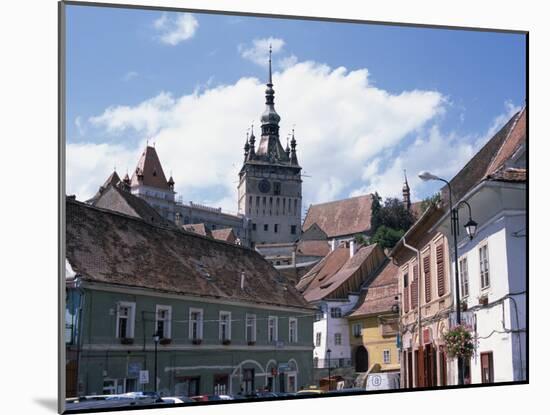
(430,200)
(387,237)
(360,239)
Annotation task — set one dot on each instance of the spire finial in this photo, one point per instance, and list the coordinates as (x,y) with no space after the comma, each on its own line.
(405,173)
(270,82)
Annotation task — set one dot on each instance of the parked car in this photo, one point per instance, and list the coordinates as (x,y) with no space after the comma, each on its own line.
(309,392)
(383,381)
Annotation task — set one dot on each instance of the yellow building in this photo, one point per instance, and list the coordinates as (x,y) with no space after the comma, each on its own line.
(374,324)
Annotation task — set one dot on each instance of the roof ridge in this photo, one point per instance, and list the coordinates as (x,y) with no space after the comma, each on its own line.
(340,200)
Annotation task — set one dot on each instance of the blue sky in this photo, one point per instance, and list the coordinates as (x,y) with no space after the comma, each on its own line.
(418,98)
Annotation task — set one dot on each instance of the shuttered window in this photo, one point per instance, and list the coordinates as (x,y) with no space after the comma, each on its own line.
(406,293)
(440,271)
(427,280)
(414,288)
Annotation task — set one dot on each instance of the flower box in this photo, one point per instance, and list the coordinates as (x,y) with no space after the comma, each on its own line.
(126,340)
(165,340)
(483,300)
(197,341)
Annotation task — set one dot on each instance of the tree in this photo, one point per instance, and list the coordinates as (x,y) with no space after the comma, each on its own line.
(387,237)
(360,239)
(430,200)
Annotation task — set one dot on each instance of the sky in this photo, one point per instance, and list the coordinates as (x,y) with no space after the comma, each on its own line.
(366,101)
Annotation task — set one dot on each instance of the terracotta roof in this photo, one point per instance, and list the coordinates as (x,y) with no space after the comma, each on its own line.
(380,293)
(489,158)
(113,179)
(108,247)
(150,168)
(313,248)
(338,275)
(198,228)
(510,175)
(226,235)
(341,217)
(118,200)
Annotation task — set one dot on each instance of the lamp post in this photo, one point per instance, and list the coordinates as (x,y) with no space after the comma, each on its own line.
(471,228)
(328,358)
(156,339)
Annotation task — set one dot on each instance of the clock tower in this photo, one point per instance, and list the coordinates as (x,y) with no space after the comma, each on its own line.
(270,183)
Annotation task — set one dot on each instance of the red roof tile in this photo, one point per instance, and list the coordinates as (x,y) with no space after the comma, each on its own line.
(150,168)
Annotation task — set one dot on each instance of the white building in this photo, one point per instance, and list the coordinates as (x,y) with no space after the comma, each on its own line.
(493,265)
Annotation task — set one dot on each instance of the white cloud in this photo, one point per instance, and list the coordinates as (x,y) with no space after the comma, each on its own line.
(258,52)
(176,28)
(78,124)
(343,125)
(128,76)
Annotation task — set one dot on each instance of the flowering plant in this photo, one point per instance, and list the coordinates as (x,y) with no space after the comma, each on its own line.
(459,342)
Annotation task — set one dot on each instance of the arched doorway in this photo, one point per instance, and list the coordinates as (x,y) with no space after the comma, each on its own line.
(361,359)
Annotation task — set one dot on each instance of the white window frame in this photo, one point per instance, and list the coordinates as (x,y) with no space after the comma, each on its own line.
(290,321)
(464,276)
(167,321)
(337,339)
(339,313)
(485,246)
(252,318)
(353,331)
(199,323)
(130,326)
(273,320)
(228,328)
(318,338)
(386,356)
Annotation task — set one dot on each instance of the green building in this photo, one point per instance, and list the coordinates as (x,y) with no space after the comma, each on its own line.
(221,319)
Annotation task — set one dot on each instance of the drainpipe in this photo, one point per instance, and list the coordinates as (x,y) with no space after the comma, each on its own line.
(412,248)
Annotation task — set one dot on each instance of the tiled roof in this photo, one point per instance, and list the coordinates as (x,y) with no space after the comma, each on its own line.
(338,270)
(489,158)
(198,228)
(341,217)
(118,200)
(150,168)
(381,292)
(113,179)
(108,247)
(226,235)
(510,175)
(313,248)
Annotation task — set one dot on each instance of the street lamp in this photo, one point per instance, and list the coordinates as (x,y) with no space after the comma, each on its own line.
(328,357)
(156,339)
(471,228)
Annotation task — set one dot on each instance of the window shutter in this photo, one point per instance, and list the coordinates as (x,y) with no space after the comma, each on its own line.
(427,280)
(406,288)
(440,271)
(414,287)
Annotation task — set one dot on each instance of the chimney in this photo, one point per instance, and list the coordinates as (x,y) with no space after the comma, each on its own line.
(351,248)
(333,245)
(242,280)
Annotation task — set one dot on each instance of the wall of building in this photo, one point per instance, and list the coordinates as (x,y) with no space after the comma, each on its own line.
(376,343)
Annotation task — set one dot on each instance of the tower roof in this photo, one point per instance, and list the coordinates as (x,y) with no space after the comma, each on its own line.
(149,171)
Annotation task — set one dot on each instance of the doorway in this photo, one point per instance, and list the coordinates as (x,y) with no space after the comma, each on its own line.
(361,359)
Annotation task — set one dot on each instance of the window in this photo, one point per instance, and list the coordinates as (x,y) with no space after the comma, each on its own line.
(487,372)
(276,228)
(319,316)
(293,229)
(464,284)
(272,335)
(266,227)
(387,357)
(484,266)
(356,329)
(225,326)
(164,321)
(253,226)
(250,328)
(292,330)
(195,324)
(125,320)
(427,280)
(318,338)
(406,292)
(440,269)
(276,188)
(337,339)
(295,206)
(335,312)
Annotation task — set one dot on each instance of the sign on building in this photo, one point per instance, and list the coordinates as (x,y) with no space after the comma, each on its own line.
(143,377)
(467,319)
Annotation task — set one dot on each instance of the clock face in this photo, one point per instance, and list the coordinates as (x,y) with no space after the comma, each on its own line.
(264,186)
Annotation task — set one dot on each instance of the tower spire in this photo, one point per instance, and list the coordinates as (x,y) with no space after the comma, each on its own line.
(246,147)
(269,81)
(293,158)
(406,192)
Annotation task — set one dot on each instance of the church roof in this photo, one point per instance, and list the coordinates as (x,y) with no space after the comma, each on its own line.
(226,235)
(113,179)
(198,228)
(112,248)
(341,217)
(150,169)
